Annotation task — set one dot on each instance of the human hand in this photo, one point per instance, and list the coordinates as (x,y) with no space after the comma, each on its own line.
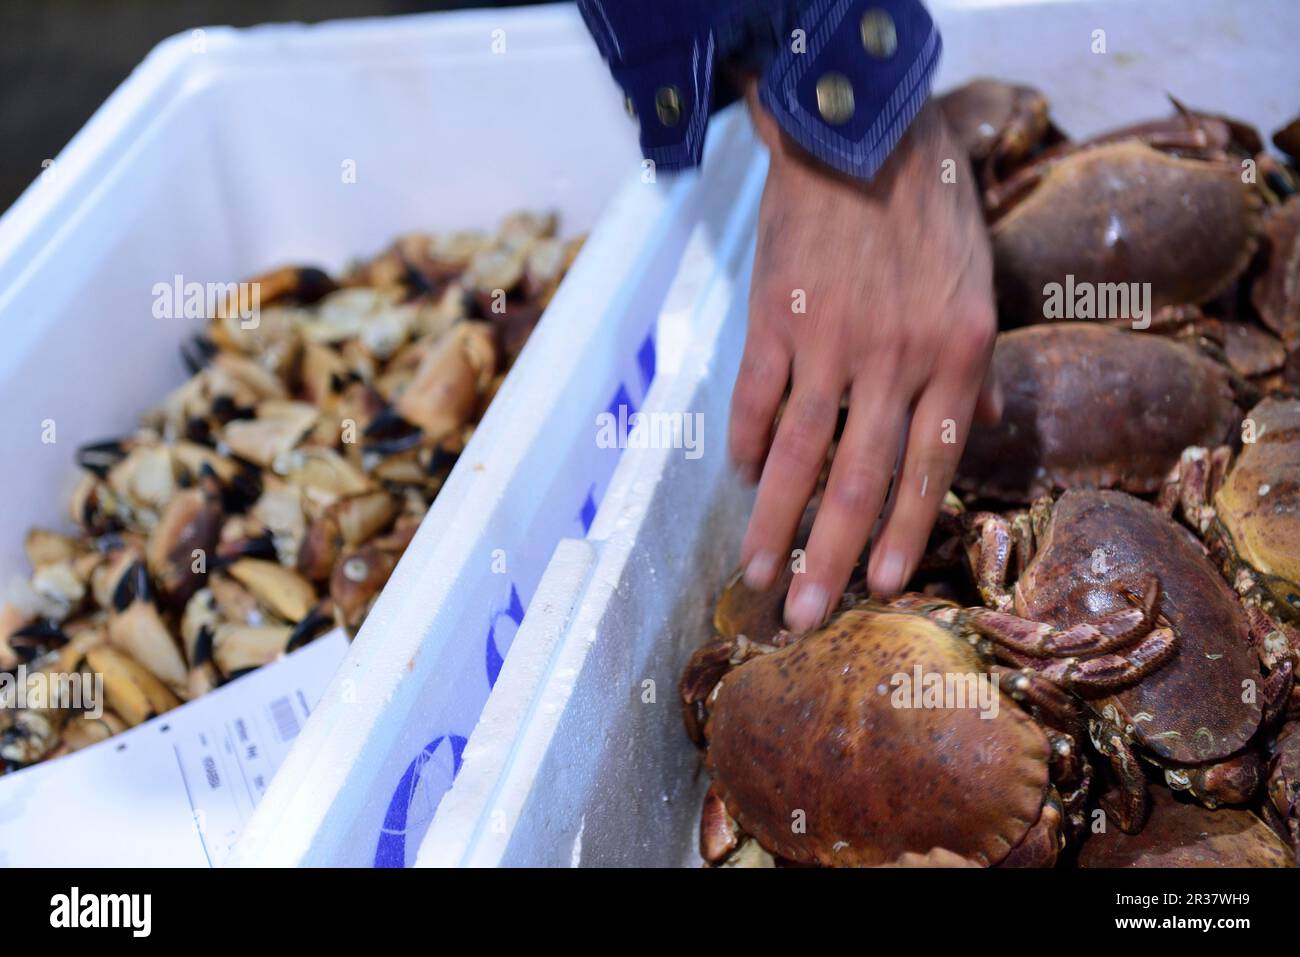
(897,280)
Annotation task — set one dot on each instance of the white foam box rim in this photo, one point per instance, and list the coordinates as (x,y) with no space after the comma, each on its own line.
(570,765)
(579,583)
(221,157)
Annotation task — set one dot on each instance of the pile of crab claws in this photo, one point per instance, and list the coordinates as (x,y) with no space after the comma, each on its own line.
(270,495)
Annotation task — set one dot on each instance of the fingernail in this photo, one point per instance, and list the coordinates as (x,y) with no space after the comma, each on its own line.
(760,573)
(807,609)
(887,577)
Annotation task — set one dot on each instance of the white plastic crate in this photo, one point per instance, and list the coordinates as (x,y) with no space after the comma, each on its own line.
(230,151)
(571,764)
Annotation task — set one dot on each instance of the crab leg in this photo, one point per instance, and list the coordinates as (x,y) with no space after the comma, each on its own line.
(1191,484)
(1275,641)
(1056,706)
(1108,633)
(1112,671)
(1059,712)
(1044,841)
(1040,640)
(1276,693)
(719,834)
(1278,645)
(992,541)
(1129,808)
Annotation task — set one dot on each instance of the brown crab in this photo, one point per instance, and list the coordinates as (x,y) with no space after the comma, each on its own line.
(1193,719)
(1183,834)
(1000,125)
(1091,406)
(875,778)
(1248,511)
(1098,215)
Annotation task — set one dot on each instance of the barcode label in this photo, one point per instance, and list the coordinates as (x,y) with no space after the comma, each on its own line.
(286,722)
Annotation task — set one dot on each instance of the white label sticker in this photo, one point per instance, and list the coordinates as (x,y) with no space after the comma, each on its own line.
(175,791)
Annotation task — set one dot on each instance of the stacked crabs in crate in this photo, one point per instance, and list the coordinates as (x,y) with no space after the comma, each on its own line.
(270,496)
(1119,559)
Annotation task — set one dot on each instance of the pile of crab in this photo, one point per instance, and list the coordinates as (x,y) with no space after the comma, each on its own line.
(1095,664)
(270,496)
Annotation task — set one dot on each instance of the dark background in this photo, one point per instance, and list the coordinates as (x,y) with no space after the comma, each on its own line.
(60,59)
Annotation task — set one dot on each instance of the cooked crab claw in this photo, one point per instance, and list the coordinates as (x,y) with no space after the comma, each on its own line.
(388,433)
(196,352)
(189,527)
(289,284)
(132,586)
(441,460)
(136,628)
(99,457)
(256,546)
(37,637)
(318,621)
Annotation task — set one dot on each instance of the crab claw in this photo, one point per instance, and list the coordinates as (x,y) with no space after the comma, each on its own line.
(37,637)
(188,529)
(318,620)
(99,457)
(388,433)
(196,352)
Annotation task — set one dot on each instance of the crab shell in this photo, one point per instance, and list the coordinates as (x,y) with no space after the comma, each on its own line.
(1100,543)
(1183,834)
(812,728)
(1258,505)
(1276,293)
(1088,406)
(1287,139)
(998,123)
(1250,350)
(759,616)
(1126,213)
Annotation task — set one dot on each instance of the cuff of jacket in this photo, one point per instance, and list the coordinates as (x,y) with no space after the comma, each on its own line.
(850,98)
(844,93)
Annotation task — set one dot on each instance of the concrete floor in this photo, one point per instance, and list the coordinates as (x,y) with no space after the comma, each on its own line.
(59,59)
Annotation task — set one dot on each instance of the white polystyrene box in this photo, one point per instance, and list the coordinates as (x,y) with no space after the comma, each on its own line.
(365,777)
(571,763)
(230,151)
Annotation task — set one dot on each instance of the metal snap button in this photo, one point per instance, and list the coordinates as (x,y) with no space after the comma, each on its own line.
(835,98)
(668,104)
(879,36)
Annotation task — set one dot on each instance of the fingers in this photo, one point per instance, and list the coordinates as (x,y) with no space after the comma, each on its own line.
(936,437)
(855,492)
(760,384)
(790,474)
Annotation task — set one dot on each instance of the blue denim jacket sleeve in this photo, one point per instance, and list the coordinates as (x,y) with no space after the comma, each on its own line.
(843,78)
